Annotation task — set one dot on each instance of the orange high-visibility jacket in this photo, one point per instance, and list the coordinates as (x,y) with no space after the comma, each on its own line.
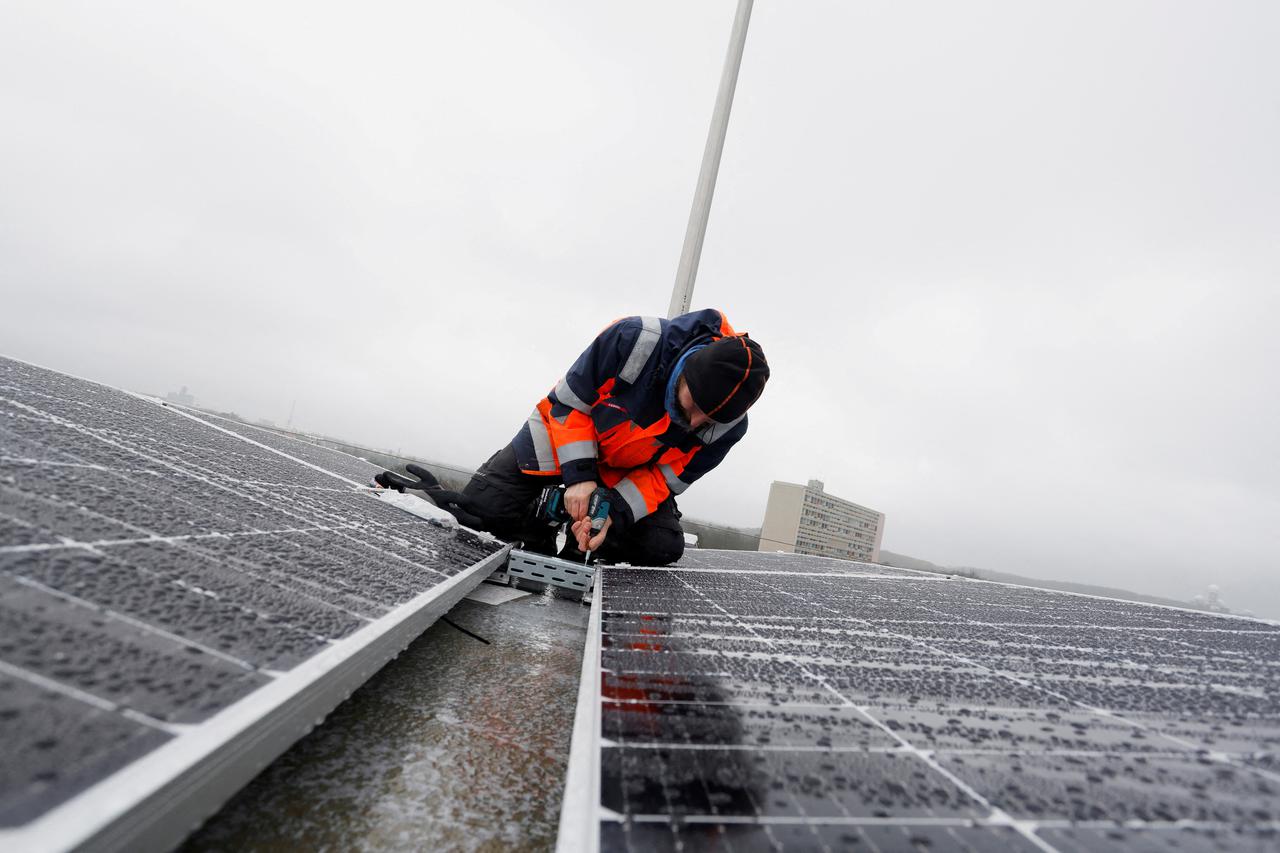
(611,418)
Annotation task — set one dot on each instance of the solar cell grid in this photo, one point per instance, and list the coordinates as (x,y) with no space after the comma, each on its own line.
(57,744)
(106,655)
(751,561)
(781,708)
(752,838)
(798,727)
(331,460)
(162,582)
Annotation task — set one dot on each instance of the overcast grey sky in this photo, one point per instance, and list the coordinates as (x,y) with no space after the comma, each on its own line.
(1016,265)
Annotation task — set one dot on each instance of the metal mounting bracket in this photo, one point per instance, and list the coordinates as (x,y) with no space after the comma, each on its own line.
(524,565)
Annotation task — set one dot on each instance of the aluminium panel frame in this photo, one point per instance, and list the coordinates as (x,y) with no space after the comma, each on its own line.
(580,810)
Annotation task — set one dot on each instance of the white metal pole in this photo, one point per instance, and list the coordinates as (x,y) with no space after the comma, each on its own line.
(682,294)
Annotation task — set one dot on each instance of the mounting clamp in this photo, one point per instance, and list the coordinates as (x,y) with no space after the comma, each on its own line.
(525,565)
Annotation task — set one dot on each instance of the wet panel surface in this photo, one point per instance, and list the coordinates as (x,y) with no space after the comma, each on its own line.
(55,744)
(708,725)
(769,783)
(746,838)
(1120,787)
(1189,839)
(768,701)
(155,570)
(114,659)
(1021,729)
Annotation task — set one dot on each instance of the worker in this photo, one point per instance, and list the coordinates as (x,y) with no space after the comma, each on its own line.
(650,407)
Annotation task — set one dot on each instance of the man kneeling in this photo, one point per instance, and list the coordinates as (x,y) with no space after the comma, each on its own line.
(650,406)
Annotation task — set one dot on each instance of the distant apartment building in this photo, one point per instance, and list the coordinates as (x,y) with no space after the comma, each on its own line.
(807,520)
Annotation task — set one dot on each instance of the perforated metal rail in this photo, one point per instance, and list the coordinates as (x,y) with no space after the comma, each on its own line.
(524,565)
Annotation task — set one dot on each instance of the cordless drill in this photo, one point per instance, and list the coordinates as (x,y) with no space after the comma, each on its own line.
(550,509)
(598,511)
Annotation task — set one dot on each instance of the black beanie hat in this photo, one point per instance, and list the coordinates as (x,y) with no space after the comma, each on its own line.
(726,377)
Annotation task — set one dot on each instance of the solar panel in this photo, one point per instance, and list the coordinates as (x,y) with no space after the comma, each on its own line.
(180,599)
(325,458)
(753,701)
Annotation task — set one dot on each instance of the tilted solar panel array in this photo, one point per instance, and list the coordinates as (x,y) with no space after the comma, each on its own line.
(749,701)
(326,458)
(168,588)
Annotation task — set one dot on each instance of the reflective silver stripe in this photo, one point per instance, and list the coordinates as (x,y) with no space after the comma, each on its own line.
(714,432)
(541,442)
(565,395)
(646,342)
(576,450)
(674,483)
(630,493)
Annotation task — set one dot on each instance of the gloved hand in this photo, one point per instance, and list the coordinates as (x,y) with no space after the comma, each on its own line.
(455,503)
(425,481)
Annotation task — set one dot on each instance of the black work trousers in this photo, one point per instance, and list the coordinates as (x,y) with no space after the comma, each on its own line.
(503,497)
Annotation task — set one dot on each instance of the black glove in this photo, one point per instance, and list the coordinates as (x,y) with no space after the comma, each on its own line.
(455,503)
(391,480)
